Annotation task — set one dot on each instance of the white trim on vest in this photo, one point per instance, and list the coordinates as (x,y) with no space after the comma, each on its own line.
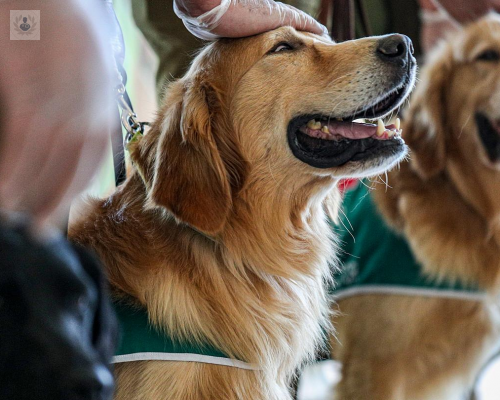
(409,291)
(186,357)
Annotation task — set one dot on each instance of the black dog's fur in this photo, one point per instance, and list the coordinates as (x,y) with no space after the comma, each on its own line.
(57,330)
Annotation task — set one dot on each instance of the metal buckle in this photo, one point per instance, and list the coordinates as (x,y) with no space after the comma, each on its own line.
(129,119)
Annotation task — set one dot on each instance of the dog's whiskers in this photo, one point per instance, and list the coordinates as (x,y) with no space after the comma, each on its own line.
(344,225)
(463,126)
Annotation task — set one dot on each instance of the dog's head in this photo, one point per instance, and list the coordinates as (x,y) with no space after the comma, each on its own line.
(279,105)
(455,113)
(57,330)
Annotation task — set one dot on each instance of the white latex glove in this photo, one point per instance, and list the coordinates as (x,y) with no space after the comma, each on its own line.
(211,19)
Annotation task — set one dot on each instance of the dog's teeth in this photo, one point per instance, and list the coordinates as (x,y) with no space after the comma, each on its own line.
(380,128)
(325,129)
(390,133)
(398,124)
(313,124)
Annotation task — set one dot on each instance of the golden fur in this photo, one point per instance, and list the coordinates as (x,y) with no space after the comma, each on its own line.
(220,232)
(446,202)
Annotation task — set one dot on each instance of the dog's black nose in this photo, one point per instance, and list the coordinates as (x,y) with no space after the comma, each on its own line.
(91,384)
(395,49)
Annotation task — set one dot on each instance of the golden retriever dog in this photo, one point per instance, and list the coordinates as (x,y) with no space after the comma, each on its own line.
(445,202)
(220,233)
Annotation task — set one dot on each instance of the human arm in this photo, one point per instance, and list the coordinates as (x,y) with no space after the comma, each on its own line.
(55,97)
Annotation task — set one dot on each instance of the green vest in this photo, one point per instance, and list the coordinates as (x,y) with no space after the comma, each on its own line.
(375,259)
(140,341)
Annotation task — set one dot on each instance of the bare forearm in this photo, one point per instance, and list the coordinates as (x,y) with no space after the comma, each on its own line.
(56,93)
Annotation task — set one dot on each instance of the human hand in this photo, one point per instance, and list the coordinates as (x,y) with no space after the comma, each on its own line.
(55,99)
(210,19)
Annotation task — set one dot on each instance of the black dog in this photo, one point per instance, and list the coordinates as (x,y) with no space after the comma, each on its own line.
(57,329)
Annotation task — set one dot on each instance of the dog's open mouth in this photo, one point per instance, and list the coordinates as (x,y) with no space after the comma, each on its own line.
(326,142)
(489,133)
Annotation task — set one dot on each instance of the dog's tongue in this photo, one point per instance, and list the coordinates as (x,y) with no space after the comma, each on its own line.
(352,130)
(336,130)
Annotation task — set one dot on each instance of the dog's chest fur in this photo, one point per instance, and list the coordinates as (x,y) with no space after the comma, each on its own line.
(209,291)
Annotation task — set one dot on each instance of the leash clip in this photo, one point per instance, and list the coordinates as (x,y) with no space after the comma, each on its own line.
(134,128)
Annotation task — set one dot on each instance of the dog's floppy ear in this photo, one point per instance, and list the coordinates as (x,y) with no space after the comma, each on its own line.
(180,162)
(425,126)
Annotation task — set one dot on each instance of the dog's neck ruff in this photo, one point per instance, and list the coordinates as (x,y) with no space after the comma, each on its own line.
(376,260)
(141,341)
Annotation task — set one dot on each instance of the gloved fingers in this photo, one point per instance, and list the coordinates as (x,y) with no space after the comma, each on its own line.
(203,25)
(240,18)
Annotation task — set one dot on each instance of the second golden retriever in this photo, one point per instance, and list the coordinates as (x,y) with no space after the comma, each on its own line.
(401,344)
(221,234)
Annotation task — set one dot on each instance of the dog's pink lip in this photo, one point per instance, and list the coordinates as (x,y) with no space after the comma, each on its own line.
(351,130)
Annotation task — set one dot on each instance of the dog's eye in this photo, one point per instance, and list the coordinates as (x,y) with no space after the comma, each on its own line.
(283,46)
(489,55)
